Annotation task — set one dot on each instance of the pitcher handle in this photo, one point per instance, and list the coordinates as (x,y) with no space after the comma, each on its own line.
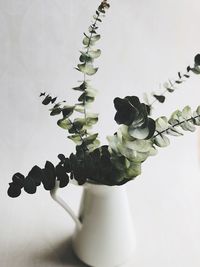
(64,205)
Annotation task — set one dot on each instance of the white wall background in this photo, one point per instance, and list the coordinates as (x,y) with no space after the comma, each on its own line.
(144,43)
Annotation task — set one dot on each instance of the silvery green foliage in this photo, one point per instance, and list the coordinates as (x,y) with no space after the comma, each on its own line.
(180,121)
(135,151)
(137,138)
(79,128)
(80,166)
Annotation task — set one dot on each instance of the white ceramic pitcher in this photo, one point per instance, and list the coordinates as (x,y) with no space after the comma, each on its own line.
(104,234)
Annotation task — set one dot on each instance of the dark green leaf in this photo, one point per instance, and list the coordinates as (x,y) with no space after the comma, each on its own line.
(36,174)
(62,176)
(53,100)
(18,179)
(79,123)
(160,98)
(67,111)
(61,158)
(197,59)
(178,82)
(81,88)
(67,165)
(55,111)
(85,57)
(86,98)
(14,190)
(49,176)
(29,185)
(47,100)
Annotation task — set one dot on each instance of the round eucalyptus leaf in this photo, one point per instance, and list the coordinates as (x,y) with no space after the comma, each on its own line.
(18,179)
(139,145)
(161,140)
(161,124)
(94,53)
(87,68)
(187,113)
(62,176)
(64,123)
(36,174)
(29,185)
(145,132)
(14,190)
(49,176)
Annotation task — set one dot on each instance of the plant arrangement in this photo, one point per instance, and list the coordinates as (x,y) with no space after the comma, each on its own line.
(138,136)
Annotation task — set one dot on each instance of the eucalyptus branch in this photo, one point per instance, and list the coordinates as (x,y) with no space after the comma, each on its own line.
(185,120)
(170,85)
(88,48)
(176,125)
(135,140)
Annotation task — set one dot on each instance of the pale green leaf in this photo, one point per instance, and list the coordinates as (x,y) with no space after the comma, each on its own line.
(64,123)
(139,145)
(90,139)
(131,154)
(161,140)
(92,118)
(113,143)
(187,126)
(174,131)
(94,53)
(79,108)
(139,133)
(133,171)
(187,113)
(161,124)
(87,68)
(92,146)
(90,41)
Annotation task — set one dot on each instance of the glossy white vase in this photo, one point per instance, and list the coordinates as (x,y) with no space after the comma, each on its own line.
(104,234)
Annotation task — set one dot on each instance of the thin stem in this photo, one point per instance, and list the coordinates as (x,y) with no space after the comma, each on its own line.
(179,80)
(175,125)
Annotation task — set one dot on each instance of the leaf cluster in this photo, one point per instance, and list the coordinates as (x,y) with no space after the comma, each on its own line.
(184,120)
